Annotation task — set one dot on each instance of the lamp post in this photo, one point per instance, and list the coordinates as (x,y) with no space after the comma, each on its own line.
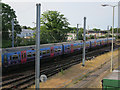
(112,33)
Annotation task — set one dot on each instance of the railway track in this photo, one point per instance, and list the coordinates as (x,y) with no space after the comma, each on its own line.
(26,79)
(85,83)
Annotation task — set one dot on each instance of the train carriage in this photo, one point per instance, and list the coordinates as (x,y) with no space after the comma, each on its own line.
(87,46)
(98,42)
(24,54)
(11,58)
(93,44)
(67,48)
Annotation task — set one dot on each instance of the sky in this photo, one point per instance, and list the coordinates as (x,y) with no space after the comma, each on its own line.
(74,10)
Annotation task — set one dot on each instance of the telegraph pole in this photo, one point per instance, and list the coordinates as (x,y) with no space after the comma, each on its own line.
(107,33)
(77,31)
(37,59)
(84,42)
(12,32)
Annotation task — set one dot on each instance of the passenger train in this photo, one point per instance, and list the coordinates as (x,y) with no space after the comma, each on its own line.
(24,54)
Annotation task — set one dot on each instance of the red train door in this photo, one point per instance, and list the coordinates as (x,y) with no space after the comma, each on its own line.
(71,48)
(52,52)
(95,43)
(23,56)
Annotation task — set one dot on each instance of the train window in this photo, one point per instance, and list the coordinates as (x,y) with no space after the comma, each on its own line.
(5,58)
(65,48)
(52,51)
(44,51)
(29,54)
(59,49)
(74,47)
(56,50)
(33,53)
(15,57)
(24,55)
(79,46)
(40,53)
(48,51)
(19,55)
(68,47)
(10,57)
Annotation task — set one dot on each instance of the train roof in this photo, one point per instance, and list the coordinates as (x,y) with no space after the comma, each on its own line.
(22,48)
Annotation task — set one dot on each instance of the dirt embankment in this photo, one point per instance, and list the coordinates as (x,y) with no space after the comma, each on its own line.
(76,72)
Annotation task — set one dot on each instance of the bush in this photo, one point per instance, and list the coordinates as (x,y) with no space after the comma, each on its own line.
(92,37)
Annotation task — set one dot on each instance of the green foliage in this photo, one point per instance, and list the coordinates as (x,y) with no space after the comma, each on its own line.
(55,26)
(119,37)
(62,71)
(92,36)
(115,30)
(18,42)
(7,15)
(102,37)
(95,29)
(25,27)
(80,37)
(6,43)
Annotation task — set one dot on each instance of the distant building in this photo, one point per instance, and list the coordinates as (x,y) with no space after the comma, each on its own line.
(71,36)
(96,33)
(26,33)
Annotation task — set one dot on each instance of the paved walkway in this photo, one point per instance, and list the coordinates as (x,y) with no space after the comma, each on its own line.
(91,81)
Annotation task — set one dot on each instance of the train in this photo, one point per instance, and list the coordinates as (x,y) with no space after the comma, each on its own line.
(24,54)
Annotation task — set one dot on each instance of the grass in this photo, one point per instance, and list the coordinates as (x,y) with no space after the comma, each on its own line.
(62,71)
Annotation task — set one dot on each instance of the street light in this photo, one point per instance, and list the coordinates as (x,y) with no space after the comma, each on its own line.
(104,5)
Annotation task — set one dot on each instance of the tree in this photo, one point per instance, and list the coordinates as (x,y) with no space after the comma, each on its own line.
(56,25)
(80,37)
(115,30)
(95,29)
(7,15)
(24,27)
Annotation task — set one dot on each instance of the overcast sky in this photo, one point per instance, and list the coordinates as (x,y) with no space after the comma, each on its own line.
(74,10)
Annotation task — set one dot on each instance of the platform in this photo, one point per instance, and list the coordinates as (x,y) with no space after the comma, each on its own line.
(112,80)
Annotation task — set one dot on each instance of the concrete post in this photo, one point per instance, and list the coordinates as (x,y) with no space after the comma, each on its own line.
(37,59)
(77,31)
(12,32)
(84,42)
